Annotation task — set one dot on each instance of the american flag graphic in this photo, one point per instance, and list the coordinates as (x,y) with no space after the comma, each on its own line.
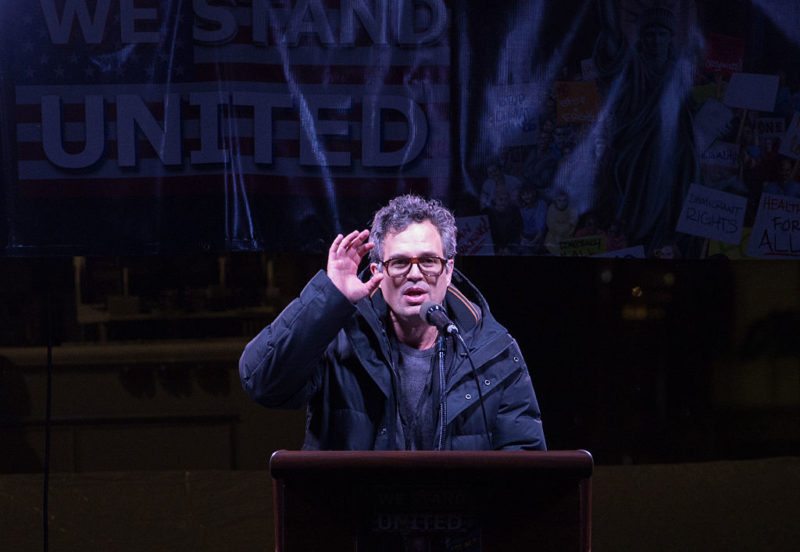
(141,98)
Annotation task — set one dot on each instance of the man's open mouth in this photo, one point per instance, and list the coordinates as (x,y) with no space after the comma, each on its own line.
(415,294)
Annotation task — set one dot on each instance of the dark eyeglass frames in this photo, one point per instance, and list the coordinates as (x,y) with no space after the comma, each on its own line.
(401,266)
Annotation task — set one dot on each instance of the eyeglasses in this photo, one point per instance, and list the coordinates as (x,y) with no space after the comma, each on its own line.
(401,266)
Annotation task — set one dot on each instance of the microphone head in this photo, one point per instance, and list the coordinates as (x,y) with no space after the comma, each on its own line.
(426,309)
(434,315)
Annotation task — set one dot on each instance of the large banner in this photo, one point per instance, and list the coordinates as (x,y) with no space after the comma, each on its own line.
(626,128)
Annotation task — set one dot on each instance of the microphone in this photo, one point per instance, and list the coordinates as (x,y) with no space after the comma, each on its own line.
(435,315)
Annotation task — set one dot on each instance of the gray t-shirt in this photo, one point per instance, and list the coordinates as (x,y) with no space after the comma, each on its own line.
(416,423)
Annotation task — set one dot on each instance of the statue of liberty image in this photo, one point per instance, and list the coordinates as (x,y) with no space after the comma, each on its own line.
(647,83)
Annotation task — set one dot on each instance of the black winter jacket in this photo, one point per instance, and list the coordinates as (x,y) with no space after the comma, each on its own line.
(337,358)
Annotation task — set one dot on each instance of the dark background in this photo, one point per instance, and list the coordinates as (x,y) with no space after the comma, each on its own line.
(635,361)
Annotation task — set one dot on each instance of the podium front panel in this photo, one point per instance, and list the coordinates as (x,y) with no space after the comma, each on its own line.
(426,501)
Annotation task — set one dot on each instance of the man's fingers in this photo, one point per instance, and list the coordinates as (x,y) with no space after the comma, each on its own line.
(373,283)
(354,238)
(348,240)
(339,245)
(335,244)
(364,248)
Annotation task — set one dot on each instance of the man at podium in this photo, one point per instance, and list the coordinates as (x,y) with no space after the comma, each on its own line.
(406,356)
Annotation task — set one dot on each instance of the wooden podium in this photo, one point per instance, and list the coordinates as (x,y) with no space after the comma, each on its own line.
(431,501)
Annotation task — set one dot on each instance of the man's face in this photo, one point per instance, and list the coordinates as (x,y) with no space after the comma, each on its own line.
(785,170)
(501,200)
(561,136)
(656,42)
(405,294)
(600,148)
(667,252)
(747,134)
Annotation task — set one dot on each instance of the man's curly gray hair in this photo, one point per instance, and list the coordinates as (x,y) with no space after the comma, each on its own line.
(404,210)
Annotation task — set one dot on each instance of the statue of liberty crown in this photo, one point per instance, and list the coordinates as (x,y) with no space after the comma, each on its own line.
(657,15)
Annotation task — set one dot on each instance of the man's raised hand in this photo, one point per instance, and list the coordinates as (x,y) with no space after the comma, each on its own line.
(344,256)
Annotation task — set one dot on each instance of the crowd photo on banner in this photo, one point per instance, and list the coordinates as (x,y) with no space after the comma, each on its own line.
(656,129)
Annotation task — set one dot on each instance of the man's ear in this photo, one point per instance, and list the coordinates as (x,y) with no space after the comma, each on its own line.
(373,267)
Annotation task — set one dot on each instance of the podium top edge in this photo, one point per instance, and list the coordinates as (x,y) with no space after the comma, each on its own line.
(286,461)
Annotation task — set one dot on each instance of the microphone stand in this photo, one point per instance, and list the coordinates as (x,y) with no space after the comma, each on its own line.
(434,314)
(478,385)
